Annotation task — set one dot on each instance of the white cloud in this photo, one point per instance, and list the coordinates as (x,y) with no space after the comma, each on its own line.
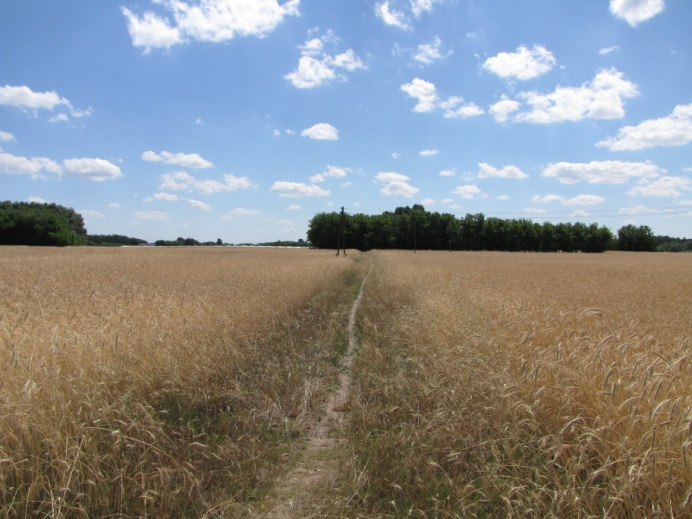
(183,181)
(25,98)
(673,130)
(391,16)
(467,191)
(576,200)
(386,177)
(428,153)
(316,67)
(59,118)
(638,210)
(34,167)
(322,132)
(580,213)
(332,172)
(608,50)
(485,170)
(448,172)
(6,137)
(94,169)
(114,205)
(206,20)
(240,211)
(418,7)
(425,93)
(664,186)
(503,198)
(635,12)
(186,160)
(151,215)
(601,98)
(167,197)
(523,64)
(197,204)
(452,110)
(37,200)
(151,31)
(503,108)
(293,207)
(396,155)
(601,172)
(396,184)
(422,91)
(427,53)
(297,189)
(534,210)
(428,201)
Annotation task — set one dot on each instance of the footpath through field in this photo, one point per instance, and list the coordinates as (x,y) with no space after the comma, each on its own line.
(294,494)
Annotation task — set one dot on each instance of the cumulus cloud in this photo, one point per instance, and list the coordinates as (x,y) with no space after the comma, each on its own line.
(635,12)
(523,64)
(504,108)
(321,132)
(166,197)
(206,20)
(317,67)
(448,172)
(665,186)
(428,153)
(332,172)
(151,215)
(425,93)
(427,53)
(601,98)
(391,16)
(6,137)
(297,189)
(186,160)
(98,170)
(601,172)
(197,204)
(485,170)
(183,181)
(576,200)
(467,191)
(25,98)
(672,130)
(33,167)
(418,7)
(400,19)
(151,31)
(396,184)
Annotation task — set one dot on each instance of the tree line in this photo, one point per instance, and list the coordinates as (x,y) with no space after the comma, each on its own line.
(31,223)
(415,228)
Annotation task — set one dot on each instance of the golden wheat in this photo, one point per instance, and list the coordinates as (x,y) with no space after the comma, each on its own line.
(534,385)
(142,381)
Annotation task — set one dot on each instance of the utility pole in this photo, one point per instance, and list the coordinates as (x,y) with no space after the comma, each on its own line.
(341,241)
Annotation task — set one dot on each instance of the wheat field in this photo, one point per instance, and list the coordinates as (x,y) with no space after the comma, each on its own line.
(524,385)
(165,382)
(175,382)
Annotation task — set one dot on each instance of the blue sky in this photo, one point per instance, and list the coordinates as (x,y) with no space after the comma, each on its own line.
(241,119)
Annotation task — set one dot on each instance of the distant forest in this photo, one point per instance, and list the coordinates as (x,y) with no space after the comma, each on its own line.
(415,228)
(31,223)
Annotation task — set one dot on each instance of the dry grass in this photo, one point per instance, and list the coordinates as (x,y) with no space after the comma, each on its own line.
(160,382)
(524,385)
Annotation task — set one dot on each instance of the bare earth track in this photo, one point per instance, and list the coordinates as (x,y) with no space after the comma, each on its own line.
(293,495)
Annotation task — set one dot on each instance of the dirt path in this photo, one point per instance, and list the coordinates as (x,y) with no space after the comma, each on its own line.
(295,495)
